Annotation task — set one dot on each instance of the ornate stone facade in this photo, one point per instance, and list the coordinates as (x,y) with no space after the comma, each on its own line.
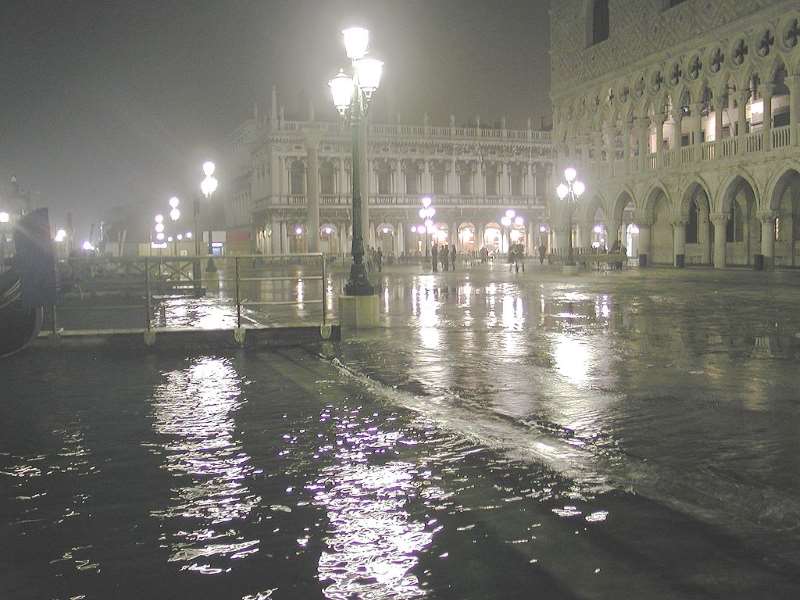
(299,183)
(684,124)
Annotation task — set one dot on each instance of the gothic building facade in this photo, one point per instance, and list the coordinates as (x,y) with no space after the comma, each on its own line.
(683,119)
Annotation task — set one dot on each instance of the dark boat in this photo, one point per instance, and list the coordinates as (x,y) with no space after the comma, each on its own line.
(19,325)
(29,285)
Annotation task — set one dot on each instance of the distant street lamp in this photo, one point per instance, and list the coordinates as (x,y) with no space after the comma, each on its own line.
(208,186)
(352,96)
(426,213)
(571,191)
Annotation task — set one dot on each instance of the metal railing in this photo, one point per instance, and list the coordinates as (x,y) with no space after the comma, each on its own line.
(163,292)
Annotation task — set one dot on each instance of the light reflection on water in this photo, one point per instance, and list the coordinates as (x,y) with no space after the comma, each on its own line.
(194,411)
(373,543)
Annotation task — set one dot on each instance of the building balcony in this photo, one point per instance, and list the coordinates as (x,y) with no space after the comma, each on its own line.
(411,201)
(777,142)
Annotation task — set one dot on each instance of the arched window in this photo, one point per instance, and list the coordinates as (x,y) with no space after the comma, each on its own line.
(327,178)
(734,232)
(297,180)
(491,180)
(384,181)
(691,226)
(465,184)
(599,22)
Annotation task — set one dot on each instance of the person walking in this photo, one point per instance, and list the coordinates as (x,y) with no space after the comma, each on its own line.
(379,259)
(445,257)
(453,258)
(542,252)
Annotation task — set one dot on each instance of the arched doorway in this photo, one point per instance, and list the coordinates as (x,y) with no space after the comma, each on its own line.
(699,236)
(742,229)
(329,238)
(624,213)
(385,237)
(466,238)
(492,238)
(661,242)
(298,243)
(785,203)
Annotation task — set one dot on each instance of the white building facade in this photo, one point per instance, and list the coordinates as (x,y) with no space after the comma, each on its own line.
(683,119)
(297,185)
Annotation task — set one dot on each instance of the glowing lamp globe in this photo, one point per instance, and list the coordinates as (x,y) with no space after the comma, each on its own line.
(169,239)
(298,230)
(174,202)
(159,227)
(4,217)
(188,235)
(519,221)
(160,236)
(356,42)
(542,228)
(209,168)
(180,237)
(159,218)
(341,88)
(426,201)
(369,72)
(413,229)
(579,188)
(570,174)
(562,190)
(175,214)
(505,222)
(510,213)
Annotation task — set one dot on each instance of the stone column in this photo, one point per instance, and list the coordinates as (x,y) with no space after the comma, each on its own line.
(696,123)
(767,90)
(741,115)
(284,238)
(613,232)
(275,237)
(793,83)
(677,127)
(767,238)
(312,189)
(530,181)
(719,107)
(679,242)
(720,221)
(343,189)
(644,240)
(658,123)
(642,137)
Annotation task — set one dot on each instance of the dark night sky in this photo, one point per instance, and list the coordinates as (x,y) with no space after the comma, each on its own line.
(113,102)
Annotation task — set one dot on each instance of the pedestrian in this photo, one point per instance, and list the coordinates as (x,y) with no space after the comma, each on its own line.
(542,252)
(435,257)
(445,256)
(379,259)
(453,258)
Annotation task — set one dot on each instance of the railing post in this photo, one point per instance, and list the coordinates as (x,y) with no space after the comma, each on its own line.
(147,293)
(324,292)
(238,300)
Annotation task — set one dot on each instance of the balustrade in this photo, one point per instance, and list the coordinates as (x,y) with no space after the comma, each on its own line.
(781,137)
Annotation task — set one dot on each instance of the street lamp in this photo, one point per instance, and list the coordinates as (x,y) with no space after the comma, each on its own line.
(426,213)
(208,186)
(570,190)
(351,96)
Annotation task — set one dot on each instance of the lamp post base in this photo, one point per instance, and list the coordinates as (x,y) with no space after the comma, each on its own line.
(358,312)
(358,284)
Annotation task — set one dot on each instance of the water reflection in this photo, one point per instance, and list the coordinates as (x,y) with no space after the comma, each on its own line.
(194,411)
(373,543)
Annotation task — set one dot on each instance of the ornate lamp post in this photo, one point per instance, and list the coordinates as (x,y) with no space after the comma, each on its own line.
(426,213)
(352,96)
(570,190)
(208,186)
